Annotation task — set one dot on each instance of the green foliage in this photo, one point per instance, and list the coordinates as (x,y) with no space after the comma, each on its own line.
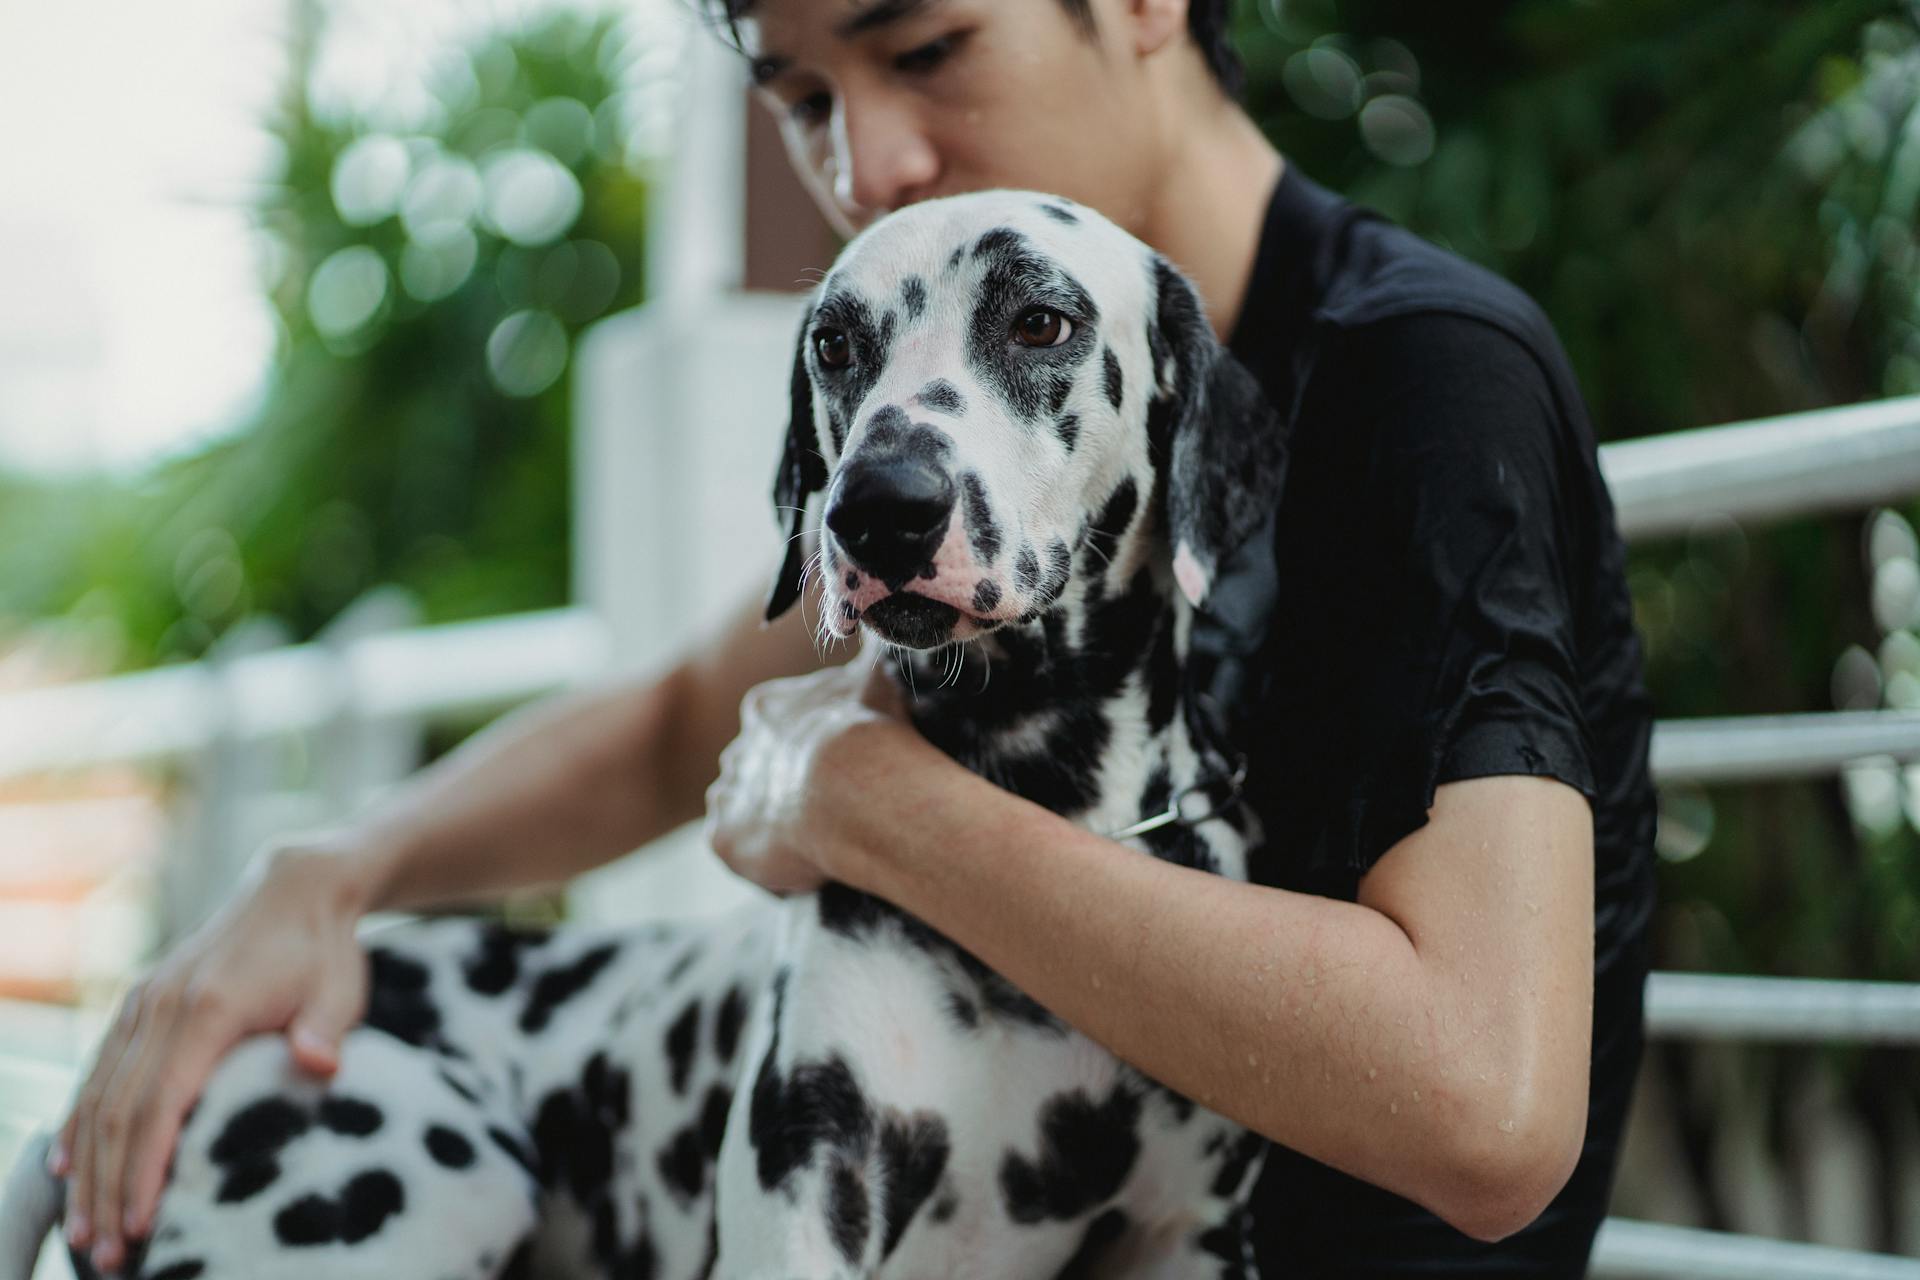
(1714,202)
(428,293)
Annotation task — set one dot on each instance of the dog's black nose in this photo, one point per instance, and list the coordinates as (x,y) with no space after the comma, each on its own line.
(890,514)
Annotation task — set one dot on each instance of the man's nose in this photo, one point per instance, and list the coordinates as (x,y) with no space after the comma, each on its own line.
(890,514)
(882,158)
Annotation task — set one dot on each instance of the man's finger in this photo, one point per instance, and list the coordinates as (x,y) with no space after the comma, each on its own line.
(80,1124)
(330,1012)
(123,1104)
(180,1082)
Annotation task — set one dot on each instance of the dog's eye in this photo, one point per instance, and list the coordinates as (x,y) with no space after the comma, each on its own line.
(832,347)
(1042,328)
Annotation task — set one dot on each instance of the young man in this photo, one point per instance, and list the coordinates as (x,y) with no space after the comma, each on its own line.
(1432,1006)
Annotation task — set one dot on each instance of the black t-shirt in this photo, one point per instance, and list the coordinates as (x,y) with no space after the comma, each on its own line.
(1440,595)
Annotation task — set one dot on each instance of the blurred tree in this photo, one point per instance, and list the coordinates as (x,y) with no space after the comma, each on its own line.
(429,287)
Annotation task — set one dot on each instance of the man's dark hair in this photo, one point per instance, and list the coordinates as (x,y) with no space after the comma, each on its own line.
(1207,22)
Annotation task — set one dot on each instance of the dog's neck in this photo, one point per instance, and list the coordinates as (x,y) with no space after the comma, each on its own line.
(1079,709)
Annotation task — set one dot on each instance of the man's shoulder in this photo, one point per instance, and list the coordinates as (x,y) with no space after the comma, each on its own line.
(1387,273)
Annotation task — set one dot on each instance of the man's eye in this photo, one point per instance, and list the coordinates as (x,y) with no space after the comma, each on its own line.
(1042,328)
(812,109)
(929,55)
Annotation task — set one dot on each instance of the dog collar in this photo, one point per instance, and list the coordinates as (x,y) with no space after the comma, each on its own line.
(1176,814)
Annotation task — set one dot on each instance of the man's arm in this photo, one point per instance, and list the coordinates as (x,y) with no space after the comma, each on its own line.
(1431,1038)
(563,786)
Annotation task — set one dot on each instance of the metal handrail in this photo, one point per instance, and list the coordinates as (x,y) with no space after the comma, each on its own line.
(1712,1006)
(452,669)
(1798,464)
(1630,1250)
(1778,748)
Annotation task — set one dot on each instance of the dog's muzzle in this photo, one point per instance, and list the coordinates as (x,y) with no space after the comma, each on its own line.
(889,516)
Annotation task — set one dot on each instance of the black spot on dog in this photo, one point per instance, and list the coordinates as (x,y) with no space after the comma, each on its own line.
(495,967)
(520,1265)
(816,1103)
(727,1023)
(1087,1262)
(1026,570)
(682,1036)
(683,1165)
(573,1129)
(448,1147)
(853,580)
(848,1212)
(1087,1149)
(982,531)
(1227,1241)
(447,1079)
(963,1011)
(1239,1155)
(361,1209)
(913,296)
(713,1118)
(1059,566)
(1067,427)
(913,1155)
(1110,369)
(1116,514)
(941,396)
(887,427)
(397,1000)
(998,242)
(349,1116)
(1016,277)
(557,986)
(177,1271)
(245,1179)
(683,962)
(259,1130)
(248,1144)
(1059,213)
(515,1150)
(986,596)
(944,1208)
(870,342)
(955,258)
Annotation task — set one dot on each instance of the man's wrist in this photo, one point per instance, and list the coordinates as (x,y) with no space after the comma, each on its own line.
(351,871)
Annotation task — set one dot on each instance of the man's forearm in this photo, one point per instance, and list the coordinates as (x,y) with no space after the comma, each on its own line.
(548,792)
(1313,1021)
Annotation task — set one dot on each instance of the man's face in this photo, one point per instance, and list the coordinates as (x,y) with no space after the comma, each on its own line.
(887,102)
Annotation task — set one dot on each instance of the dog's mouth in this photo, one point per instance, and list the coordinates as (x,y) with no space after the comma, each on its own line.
(912,621)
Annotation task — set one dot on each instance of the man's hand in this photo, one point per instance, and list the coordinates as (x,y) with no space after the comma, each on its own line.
(279,956)
(805,746)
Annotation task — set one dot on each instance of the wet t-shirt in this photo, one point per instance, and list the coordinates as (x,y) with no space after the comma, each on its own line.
(1439,596)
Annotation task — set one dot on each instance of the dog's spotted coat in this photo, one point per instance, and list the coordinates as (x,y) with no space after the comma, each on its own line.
(824,1087)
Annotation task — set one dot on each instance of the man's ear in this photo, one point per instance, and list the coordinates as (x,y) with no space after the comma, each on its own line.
(1219,445)
(803,473)
(1156,24)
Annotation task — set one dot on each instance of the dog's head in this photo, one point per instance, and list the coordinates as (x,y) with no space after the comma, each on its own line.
(988,383)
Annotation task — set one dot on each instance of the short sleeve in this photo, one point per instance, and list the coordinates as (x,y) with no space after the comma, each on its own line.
(1430,553)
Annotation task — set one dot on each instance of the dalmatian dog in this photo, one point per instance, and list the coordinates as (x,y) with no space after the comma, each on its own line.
(1016,459)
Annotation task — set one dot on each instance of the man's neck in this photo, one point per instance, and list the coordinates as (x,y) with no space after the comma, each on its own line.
(1212,206)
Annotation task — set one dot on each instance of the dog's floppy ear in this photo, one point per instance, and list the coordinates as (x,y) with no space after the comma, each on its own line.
(802,474)
(1218,443)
